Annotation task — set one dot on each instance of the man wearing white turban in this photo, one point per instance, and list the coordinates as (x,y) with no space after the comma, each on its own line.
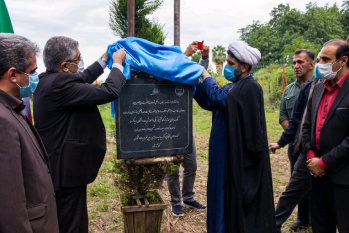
(240,193)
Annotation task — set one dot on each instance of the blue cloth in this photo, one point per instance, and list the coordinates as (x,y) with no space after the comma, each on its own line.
(162,62)
(27,106)
(212,98)
(292,131)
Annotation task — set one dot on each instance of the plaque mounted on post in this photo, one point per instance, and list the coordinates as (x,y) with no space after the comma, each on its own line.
(153,119)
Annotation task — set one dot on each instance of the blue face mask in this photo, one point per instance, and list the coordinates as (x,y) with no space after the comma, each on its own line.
(30,89)
(229,73)
(317,74)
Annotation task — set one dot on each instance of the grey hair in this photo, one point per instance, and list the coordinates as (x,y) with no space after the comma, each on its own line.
(309,53)
(59,49)
(15,51)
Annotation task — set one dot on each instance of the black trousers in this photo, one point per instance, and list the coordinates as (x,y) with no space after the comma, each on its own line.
(72,210)
(297,193)
(330,206)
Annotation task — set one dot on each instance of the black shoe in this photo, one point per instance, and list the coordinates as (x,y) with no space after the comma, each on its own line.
(297,227)
(194,205)
(177,210)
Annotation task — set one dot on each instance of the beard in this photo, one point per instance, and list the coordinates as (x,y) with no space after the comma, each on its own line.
(238,72)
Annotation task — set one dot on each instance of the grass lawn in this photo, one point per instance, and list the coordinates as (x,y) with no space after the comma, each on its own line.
(104,199)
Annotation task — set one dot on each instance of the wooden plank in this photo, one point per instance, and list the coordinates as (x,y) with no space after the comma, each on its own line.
(129,223)
(143,219)
(126,209)
(139,222)
(139,204)
(153,221)
(146,202)
(138,197)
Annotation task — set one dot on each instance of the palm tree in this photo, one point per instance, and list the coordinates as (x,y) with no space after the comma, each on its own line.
(218,56)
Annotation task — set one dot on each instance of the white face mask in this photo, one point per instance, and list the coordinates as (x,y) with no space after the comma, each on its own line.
(81,66)
(326,72)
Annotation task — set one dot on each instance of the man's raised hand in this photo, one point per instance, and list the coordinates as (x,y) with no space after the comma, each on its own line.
(119,56)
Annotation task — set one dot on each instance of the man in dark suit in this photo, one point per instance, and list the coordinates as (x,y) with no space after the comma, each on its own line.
(326,140)
(27,202)
(70,125)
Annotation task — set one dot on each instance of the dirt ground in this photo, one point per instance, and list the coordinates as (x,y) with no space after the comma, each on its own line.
(105,214)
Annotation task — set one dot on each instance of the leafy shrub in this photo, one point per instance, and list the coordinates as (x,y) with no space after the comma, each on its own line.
(270,78)
(139,180)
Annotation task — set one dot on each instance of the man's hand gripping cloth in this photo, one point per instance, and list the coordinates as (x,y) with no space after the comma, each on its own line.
(162,62)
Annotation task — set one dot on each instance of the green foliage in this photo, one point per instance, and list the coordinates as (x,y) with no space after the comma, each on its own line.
(220,80)
(260,36)
(138,180)
(290,29)
(196,57)
(297,43)
(218,57)
(270,79)
(108,120)
(104,206)
(345,16)
(99,189)
(144,28)
(273,126)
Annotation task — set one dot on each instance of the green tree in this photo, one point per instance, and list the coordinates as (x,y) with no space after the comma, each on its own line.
(345,17)
(290,29)
(144,27)
(299,43)
(260,36)
(196,57)
(218,57)
(323,23)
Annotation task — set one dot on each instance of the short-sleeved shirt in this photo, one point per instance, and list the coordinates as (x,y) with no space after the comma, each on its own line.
(288,99)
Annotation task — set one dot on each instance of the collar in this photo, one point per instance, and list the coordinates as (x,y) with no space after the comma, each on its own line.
(338,84)
(298,83)
(312,77)
(11,102)
(244,79)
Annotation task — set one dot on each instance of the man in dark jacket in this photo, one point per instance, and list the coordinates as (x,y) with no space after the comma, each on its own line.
(325,140)
(68,120)
(240,194)
(27,203)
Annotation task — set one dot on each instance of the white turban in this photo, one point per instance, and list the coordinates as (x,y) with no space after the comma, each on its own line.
(245,53)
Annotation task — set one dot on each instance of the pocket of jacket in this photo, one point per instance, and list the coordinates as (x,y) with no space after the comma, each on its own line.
(36,211)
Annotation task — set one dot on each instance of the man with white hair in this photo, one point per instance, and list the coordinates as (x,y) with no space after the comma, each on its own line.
(70,125)
(240,193)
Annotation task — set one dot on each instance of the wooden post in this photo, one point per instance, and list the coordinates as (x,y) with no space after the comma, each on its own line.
(177,28)
(131,18)
(284,78)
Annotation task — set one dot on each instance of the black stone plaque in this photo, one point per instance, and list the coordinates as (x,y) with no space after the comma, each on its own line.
(153,119)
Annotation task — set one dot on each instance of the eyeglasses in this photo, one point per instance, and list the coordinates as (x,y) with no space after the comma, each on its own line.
(22,72)
(77,59)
